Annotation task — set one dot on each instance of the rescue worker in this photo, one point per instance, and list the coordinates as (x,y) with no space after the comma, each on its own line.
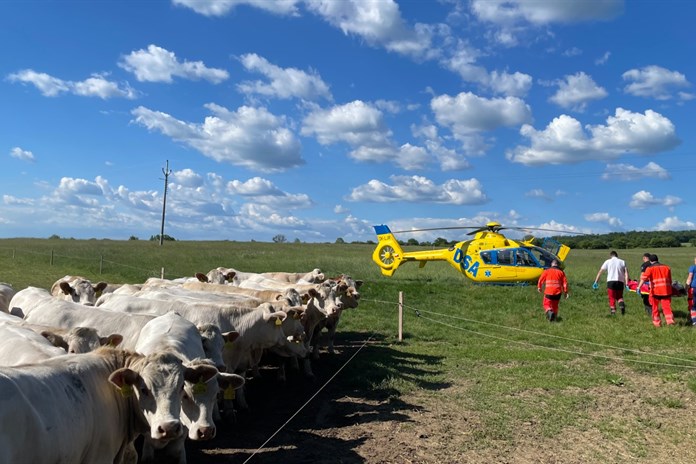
(555,284)
(660,277)
(647,303)
(690,287)
(617,278)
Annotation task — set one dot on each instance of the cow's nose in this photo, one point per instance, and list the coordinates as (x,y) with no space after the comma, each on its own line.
(206,433)
(170,429)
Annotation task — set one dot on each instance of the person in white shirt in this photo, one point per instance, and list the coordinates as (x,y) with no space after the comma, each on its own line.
(617,277)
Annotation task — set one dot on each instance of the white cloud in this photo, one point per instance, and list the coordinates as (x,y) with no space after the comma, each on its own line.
(674,223)
(24,155)
(263,191)
(655,82)
(564,141)
(187,178)
(576,91)
(628,172)
(466,113)
(644,199)
(603,59)
(95,86)
(421,190)
(379,23)
(222,7)
(538,193)
(604,218)
(250,137)
(159,65)
(283,82)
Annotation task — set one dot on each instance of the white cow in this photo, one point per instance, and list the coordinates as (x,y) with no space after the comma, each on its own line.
(6,294)
(77,289)
(21,345)
(66,314)
(65,410)
(174,333)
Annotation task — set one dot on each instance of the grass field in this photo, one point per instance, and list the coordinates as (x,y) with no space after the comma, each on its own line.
(616,388)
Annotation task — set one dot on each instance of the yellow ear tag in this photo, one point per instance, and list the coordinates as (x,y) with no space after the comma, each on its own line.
(199,387)
(126,390)
(229,393)
(279,322)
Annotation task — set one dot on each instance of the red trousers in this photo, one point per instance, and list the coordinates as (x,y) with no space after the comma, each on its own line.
(666,303)
(614,296)
(551,304)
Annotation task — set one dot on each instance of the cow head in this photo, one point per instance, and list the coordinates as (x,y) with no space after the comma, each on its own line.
(82,291)
(81,339)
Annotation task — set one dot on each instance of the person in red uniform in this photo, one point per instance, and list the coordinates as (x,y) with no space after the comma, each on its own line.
(555,284)
(660,277)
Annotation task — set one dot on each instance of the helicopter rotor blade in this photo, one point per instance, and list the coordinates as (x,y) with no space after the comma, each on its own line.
(434,228)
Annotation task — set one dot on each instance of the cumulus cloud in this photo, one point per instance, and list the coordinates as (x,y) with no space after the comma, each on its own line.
(564,141)
(24,155)
(575,91)
(95,86)
(159,65)
(222,7)
(282,82)
(362,127)
(421,190)
(538,193)
(656,82)
(604,218)
(645,199)
(674,223)
(250,137)
(628,172)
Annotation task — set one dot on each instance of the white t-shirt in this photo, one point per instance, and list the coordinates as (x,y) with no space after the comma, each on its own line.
(616,269)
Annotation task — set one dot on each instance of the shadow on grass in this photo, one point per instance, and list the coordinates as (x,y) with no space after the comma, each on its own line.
(367,390)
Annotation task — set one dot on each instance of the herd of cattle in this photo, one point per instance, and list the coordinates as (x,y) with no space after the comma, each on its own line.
(164,360)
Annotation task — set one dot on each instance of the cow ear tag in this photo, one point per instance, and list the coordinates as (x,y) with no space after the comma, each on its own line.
(127,391)
(199,387)
(229,393)
(278,322)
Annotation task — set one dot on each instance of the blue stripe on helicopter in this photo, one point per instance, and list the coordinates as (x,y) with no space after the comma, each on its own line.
(382,229)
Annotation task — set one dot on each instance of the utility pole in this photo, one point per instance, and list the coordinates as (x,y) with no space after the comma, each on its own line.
(166,171)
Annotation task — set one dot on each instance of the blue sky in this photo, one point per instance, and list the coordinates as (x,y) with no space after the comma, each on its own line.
(318,119)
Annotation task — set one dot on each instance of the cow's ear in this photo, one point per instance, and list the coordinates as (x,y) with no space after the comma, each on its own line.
(111,340)
(124,377)
(55,339)
(226,380)
(358,284)
(230,276)
(66,288)
(201,277)
(199,373)
(230,336)
(100,287)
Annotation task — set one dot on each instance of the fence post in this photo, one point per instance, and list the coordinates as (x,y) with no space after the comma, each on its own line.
(401,316)
(51,256)
(162,274)
(13,253)
(101,263)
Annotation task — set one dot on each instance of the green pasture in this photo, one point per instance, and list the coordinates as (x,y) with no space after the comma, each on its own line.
(491,342)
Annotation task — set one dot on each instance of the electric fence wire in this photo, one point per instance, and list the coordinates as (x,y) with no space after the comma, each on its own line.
(419,313)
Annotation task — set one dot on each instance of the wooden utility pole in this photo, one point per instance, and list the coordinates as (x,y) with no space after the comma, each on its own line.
(166,171)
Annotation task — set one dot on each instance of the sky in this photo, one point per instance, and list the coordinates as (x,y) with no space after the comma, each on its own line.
(315,120)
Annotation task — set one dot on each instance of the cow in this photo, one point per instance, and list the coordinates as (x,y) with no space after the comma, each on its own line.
(89,408)
(349,296)
(6,294)
(172,332)
(21,345)
(77,289)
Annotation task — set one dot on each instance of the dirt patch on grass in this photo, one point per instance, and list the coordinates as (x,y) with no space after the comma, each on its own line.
(641,419)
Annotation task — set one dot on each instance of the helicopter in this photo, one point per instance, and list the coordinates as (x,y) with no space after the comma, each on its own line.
(489,257)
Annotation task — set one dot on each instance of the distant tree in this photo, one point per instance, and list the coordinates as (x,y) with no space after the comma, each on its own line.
(133,237)
(54,237)
(280,238)
(165,237)
(440,242)
(340,241)
(297,240)
(412,241)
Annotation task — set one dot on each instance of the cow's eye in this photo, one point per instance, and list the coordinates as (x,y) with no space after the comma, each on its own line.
(144,391)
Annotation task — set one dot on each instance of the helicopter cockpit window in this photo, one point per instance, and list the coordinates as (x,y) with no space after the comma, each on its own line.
(543,256)
(486,257)
(523,257)
(505,257)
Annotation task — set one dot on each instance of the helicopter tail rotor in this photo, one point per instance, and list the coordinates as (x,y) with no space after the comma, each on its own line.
(388,254)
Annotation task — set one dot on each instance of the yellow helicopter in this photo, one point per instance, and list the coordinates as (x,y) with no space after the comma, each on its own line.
(489,257)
